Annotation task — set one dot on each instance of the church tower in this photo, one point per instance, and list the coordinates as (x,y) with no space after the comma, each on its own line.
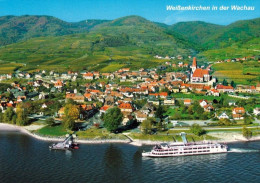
(194,65)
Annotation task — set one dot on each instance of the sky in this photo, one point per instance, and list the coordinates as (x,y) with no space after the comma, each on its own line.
(153,10)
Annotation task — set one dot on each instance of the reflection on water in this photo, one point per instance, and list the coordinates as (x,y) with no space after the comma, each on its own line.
(114,165)
(180,160)
(24,159)
(68,154)
(137,160)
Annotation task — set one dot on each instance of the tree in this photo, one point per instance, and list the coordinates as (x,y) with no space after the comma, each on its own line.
(146,126)
(113,119)
(159,112)
(247,120)
(50,121)
(177,115)
(71,114)
(225,83)
(22,117)
(159,126)
(204,116)
(190,111)
(70,101)
(214,85)
(68,122)
(140,103)
(72,111)
(197,130)
(225,122)
(99,104)
(13,121)
(1,117)
(8,115)
(197,108)
(233,84)
(247,133)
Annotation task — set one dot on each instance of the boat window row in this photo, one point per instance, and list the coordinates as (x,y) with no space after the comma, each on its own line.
(184,152)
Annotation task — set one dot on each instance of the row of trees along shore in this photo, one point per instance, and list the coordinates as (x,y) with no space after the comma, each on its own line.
(112,120)
(18,117)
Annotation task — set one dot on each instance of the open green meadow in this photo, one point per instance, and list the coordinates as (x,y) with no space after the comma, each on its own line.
(99,134)
(52,131)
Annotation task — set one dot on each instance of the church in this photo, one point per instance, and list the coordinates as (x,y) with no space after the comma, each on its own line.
(198,75)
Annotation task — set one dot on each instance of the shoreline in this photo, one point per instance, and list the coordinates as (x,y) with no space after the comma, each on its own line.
(9,127)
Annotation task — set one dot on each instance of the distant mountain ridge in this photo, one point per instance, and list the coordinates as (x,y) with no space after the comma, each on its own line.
(130,41)
(19,28)
(216,36)
(196,31)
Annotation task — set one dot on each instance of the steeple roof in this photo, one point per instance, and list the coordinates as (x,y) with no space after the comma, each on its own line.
(194,63)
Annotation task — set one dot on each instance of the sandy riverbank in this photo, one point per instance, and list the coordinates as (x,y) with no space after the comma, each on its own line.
(25,130)
(223,137)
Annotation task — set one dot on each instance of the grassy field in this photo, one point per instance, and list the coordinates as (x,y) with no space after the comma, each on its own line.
(164,137)
(172,111)
(247,72)
(52,131)
(99,134)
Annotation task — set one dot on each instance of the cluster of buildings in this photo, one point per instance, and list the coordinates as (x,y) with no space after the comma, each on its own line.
(237,114)
(147,84)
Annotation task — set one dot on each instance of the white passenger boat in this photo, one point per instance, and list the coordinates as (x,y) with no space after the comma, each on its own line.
(184,148)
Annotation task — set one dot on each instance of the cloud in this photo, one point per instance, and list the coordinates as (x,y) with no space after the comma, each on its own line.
(172,18)
(182,16)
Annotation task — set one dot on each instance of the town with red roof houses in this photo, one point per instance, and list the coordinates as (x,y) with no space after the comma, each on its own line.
(191,94)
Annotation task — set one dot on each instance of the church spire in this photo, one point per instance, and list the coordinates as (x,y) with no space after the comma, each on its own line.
(194,64)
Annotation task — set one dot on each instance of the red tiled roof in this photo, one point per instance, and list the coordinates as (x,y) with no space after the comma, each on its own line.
(224,87)
(86,107)
(70,95)
(253,88)
(200,73)
(105,107)
(187,100)
(87,95)
(58,83)
(206,87)
(239,110)
(125,106)
(9,105)
(163,94)
(214,91)
(88,74)
(203,100)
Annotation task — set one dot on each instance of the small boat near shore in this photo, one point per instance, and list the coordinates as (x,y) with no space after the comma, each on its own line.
(67,144)
(185,149)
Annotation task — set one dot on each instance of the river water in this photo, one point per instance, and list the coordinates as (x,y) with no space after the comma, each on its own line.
(25,159)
